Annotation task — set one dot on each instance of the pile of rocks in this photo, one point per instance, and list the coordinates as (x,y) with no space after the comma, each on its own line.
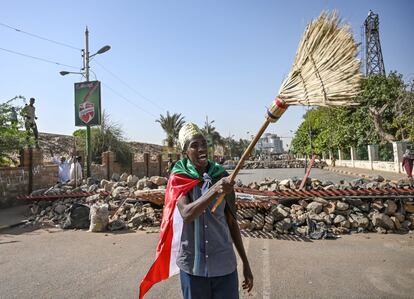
(281,164)
(126,209)
(314,217)
(318,218)
(378,182)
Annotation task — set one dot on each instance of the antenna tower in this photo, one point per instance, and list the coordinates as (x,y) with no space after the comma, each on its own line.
(374,62)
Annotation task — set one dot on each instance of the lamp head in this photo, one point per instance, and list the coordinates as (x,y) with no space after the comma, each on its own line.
(103,49)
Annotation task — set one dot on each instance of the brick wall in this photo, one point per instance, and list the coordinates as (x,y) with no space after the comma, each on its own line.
(45,176)
(15,181)
(141,166)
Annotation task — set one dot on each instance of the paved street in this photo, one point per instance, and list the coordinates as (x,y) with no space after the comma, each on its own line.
(51,263)
(77,264)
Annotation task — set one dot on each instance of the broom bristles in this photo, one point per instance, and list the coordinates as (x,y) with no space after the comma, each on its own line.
(325,71)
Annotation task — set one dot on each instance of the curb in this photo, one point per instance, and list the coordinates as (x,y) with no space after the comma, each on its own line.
(354,174)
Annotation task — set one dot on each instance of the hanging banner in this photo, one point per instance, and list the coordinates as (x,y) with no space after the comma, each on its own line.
(88,103)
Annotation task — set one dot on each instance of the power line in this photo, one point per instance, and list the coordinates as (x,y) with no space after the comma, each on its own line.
(130,87)
(128,100)
(40,37)
(39,58)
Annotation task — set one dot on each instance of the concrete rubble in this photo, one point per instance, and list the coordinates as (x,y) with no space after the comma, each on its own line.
(282,164)
(319,218)
(314,218)
(121,207)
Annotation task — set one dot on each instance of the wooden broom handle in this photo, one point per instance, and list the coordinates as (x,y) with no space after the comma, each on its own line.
(241,162)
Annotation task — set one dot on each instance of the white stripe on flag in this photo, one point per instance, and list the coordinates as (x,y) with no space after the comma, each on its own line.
(175,246)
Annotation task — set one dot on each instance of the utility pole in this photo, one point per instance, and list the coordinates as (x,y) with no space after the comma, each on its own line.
(85,72)
(88,127)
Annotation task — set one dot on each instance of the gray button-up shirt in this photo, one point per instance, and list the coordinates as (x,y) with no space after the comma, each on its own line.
(206,247)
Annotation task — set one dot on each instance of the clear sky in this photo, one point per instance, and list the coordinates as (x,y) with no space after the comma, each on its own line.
(224,59)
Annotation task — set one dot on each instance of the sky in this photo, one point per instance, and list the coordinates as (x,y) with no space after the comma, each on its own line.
(221,59)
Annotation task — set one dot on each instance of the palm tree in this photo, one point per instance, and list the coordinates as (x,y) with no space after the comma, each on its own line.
(171,124)
(212,135)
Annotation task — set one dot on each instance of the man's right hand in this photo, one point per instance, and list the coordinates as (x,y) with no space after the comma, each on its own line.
(224,186)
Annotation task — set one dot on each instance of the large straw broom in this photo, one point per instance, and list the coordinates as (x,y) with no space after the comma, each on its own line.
(325,73)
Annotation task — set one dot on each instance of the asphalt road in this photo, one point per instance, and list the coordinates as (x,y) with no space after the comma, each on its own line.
(78,264)
(51,263)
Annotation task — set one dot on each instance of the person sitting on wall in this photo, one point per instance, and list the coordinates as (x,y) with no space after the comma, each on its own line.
(29,115)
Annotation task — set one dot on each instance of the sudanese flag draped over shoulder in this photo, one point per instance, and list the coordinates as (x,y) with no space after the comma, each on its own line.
(183,178)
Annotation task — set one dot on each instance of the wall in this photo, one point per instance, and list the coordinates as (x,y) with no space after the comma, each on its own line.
(45,176)
(383,166)
(141,166)
(13,181)
(345,163)
(35,174)
(16,181)
(362,164)
(373,163)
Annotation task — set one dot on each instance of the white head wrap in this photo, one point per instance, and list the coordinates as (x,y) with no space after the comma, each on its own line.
(188,131)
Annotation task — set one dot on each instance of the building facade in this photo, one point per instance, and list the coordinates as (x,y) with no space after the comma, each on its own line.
(270,144)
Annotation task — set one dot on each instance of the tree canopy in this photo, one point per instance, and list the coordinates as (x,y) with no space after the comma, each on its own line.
(384,114)
(171,124)
(12,136)
(108,136)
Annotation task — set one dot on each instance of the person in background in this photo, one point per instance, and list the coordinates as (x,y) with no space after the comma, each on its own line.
(64,168)
(29,114)
(76,169)
(407,164)
(170,165)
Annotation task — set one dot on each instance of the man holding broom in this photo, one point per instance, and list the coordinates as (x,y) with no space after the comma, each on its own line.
(194,238)
(195,242)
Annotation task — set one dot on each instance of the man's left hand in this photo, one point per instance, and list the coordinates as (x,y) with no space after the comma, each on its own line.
(248,278)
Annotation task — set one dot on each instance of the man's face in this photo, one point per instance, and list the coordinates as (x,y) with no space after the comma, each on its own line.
(32,101)
(62,160)
(197,152)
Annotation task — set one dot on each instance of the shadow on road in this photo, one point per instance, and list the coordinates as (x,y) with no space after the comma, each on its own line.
(30,229)
(8,242)
(273,235)
(19,230)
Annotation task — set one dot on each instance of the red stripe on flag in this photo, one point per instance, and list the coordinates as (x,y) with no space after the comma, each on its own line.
(177,186)
(160,269)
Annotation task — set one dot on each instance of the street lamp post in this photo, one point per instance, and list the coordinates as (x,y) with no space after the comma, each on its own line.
(88,127)
(86,58)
